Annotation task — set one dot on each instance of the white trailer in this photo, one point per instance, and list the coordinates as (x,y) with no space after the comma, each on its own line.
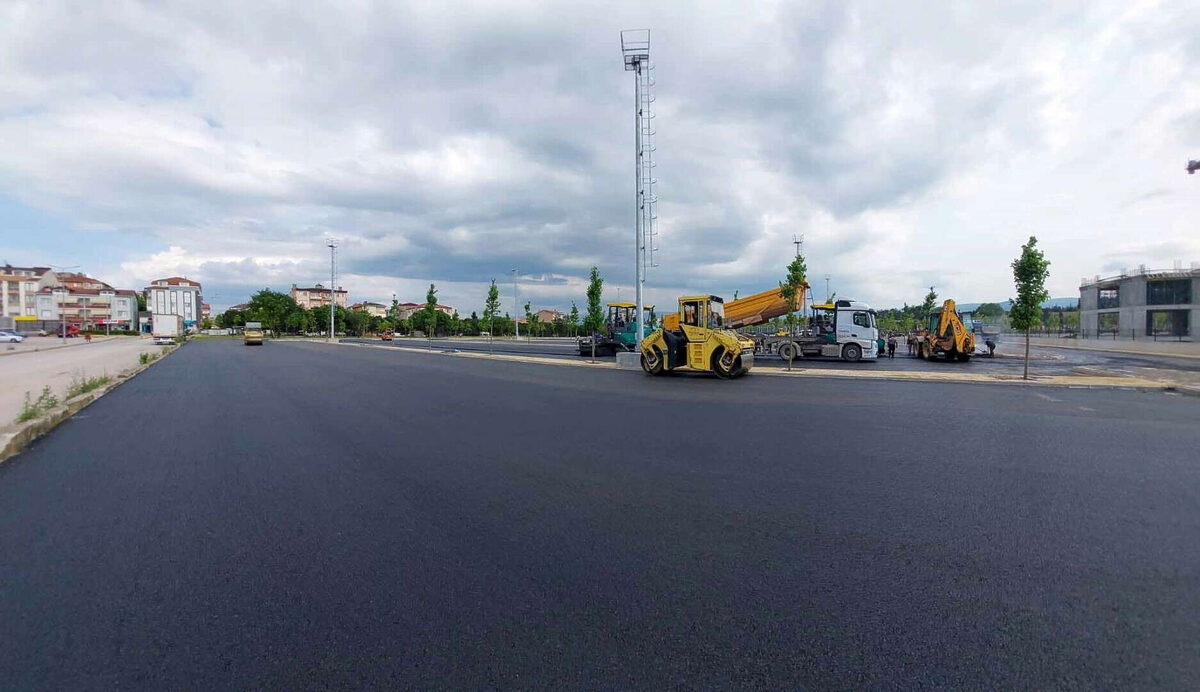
(166,328)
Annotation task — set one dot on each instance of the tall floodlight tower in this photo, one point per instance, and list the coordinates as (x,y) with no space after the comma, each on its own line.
(635,47)
(331,243)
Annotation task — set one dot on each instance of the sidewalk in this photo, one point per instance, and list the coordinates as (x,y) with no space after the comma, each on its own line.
(56,367)
(1143,347)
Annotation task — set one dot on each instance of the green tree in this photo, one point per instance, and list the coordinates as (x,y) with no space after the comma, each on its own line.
(595,311)
(271,308)
(231,318)
(141,301)
(319,318)
(574,317)
(491,307)
(429,319)
(989,313)
(357,322)
(1030,271)
(474,322)
(792,288)
(299,321)
(1053,321)
(927,306)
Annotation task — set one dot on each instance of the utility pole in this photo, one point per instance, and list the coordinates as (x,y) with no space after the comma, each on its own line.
(516,307)
(826,288)
(332,245)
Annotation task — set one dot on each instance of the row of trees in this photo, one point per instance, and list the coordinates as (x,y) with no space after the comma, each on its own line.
(281,314)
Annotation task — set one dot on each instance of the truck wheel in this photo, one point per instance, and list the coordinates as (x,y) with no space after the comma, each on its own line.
(852,353)
(787,351)
(964,357)
(726,364)
(652,364)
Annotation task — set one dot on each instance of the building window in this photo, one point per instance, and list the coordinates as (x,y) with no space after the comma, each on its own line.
(1108,321)
(1175,292)
(1108,298)
(1167,322)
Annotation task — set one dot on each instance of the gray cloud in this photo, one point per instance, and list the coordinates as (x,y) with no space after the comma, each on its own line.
(910,144)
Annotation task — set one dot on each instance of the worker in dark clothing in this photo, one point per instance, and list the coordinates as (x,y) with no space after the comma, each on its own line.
(891,345)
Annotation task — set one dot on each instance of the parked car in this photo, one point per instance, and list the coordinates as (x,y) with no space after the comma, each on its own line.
(386,336)
(11,336)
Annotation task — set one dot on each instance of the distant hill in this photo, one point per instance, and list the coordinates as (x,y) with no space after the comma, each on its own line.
(1064,303)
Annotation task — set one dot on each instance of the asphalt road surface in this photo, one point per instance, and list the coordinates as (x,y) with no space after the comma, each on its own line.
(302,515)
(1009,359)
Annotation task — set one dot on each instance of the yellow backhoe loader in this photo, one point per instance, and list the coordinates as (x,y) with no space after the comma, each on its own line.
(945,335)
(697,337)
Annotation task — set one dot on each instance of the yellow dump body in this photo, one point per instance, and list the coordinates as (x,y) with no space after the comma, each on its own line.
(758,308)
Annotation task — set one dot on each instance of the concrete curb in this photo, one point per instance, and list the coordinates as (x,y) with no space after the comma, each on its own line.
(1091,382)
(11,443)
(1185,390)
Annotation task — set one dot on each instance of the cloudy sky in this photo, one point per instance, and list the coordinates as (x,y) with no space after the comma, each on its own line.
(909,143)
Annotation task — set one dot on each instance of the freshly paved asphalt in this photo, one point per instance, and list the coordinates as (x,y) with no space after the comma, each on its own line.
(1009,359)
(302,515)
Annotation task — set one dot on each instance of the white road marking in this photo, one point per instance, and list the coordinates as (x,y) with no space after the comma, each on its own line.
(1085,408)
(1049,398)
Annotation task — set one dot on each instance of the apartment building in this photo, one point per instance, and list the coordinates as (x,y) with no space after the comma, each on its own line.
(372,309)
(19,287)
(89,304)
(175,295)
(407,309)
(317,296)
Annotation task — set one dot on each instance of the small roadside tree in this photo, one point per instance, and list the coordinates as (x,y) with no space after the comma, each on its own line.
(928,305)
(490,307)
(574,317)
(1029,276)
(792,289)
(429,319)
(595,312)
(529,326)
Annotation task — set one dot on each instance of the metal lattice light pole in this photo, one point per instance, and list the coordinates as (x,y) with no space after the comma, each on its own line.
(635,49)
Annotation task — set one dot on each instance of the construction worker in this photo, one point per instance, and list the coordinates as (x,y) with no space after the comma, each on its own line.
(891,345)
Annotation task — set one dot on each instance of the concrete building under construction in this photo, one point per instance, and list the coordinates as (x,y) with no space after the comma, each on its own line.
(1142,304)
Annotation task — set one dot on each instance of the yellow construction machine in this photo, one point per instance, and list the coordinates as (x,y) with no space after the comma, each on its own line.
(697,337)
(945,334)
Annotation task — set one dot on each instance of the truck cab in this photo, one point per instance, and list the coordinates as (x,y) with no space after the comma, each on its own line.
(845,329)
(619,332)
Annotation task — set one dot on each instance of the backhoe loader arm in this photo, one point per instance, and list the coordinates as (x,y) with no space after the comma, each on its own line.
(950,322)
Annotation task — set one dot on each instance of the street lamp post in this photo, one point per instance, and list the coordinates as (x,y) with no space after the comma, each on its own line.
(332,245)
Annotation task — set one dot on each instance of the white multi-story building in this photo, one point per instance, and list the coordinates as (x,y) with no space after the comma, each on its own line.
(175,296)
(19,287)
